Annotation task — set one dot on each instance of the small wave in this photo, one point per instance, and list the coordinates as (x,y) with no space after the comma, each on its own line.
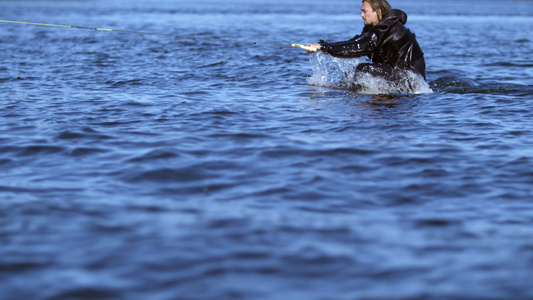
(166,174)
(5,161)
(461,85)
(452,81)
(39,149)
(121,83)
(85,133)
(31,190)
(156,154)
(213,64)
(329,71)
(518,64)
(83,151)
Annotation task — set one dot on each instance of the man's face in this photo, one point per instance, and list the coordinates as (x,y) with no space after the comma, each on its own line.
(368,14)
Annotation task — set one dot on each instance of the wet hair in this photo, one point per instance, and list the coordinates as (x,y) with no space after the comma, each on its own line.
(382,7)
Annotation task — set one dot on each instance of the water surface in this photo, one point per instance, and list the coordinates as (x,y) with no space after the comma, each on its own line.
(156,167)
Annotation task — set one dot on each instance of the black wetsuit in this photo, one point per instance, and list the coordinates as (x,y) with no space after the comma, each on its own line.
(389,44)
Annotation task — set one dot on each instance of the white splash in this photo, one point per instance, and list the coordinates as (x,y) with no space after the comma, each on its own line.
(329,71)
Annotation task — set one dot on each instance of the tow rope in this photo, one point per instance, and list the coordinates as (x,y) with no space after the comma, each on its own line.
(163,34)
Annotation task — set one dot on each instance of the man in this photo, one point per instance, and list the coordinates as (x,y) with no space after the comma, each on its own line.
(385,40)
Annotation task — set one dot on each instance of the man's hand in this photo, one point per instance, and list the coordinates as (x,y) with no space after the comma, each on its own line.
(313,45)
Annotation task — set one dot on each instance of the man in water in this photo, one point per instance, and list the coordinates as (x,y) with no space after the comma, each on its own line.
(385,40)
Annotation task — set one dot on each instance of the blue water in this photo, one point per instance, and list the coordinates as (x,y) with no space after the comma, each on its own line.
(156,167)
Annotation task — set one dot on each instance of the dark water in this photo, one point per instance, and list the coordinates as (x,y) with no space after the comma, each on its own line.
(153,167)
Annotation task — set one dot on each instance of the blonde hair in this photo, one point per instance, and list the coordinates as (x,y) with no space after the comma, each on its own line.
(382,7)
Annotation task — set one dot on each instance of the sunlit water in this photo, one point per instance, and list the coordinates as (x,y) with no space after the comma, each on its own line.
(155,167)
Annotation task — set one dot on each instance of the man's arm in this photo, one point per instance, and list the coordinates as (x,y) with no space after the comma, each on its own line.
(360,45)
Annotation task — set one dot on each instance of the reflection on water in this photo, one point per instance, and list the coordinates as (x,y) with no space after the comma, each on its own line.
(390,100)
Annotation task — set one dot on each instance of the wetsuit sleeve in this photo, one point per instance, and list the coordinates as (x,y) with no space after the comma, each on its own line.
(360,45)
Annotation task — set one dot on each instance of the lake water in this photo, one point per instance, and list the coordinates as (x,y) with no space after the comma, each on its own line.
(139,166)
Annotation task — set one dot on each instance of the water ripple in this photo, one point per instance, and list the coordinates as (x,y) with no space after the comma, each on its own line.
(156,167)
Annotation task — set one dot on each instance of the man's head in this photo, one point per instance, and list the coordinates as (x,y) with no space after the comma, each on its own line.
(372,11)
